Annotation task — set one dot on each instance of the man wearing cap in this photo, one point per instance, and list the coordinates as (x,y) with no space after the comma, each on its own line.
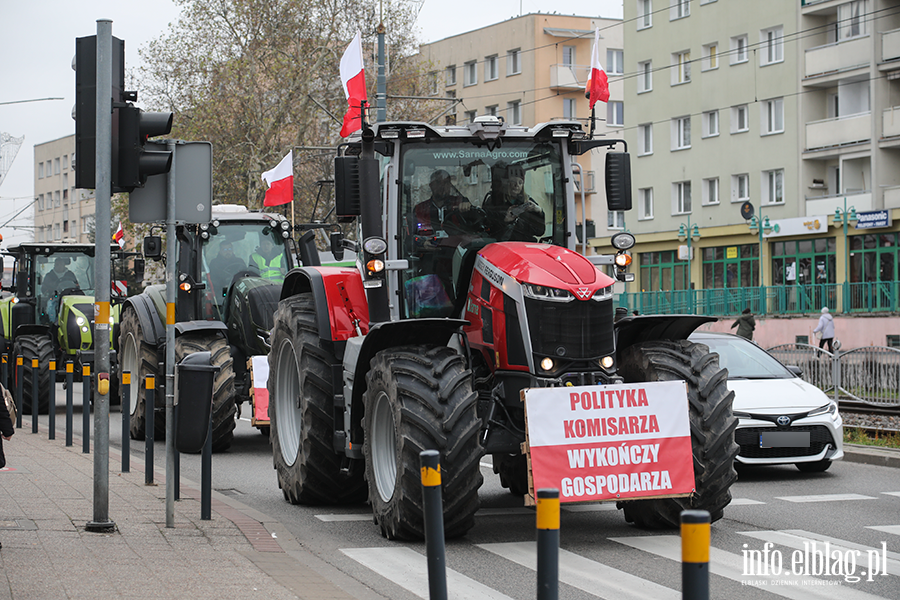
(512,214)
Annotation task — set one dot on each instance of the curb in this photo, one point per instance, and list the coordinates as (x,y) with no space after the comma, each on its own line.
(868,455)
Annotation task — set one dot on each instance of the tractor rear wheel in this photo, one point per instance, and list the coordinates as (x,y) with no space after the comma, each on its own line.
(420,398)
(30,347)
(712,427)
(301,409)
(223,403)
(140,359)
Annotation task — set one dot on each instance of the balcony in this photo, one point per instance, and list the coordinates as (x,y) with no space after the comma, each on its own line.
(838,57)
(838,132)
(890,122)
(825,205)
(569,77)
(890,45)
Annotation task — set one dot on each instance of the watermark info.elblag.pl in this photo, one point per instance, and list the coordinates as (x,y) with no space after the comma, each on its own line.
(799,567)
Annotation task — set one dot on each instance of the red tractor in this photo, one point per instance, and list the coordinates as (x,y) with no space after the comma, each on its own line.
(467,290)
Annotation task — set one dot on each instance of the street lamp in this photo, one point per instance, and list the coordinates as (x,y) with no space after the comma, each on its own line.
(761,226)
(845,217)
(689,234)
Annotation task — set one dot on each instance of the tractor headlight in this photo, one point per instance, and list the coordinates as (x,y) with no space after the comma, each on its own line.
(547,363)
(80,321)
(603,293)
(84,329)
(375,245)
(540,292)
(607,362)
(623,260)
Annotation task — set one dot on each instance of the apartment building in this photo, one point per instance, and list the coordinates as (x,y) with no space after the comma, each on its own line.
(533,69)
(786,106)
(60,211)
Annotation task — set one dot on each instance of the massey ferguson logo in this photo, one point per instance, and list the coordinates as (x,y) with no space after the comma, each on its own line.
(583,293)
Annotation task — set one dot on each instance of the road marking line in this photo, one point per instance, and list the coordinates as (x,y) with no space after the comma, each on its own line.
(894,529)
(585,574)
(825,498)
(795,538)
(579,508)
(348,517)
(731,566)
(744,502)
(409,569)
(892,494)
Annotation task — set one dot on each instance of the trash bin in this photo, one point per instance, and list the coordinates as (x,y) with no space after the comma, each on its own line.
(194,377)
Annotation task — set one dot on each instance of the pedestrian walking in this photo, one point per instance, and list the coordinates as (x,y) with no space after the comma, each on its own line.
(745,324)
(825,329)
(6,426)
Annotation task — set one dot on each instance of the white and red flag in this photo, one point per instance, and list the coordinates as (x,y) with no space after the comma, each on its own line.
(597,86)
(353,78)
(281,182)
(119,236)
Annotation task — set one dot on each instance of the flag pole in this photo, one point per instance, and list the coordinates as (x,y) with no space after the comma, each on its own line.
(593,121)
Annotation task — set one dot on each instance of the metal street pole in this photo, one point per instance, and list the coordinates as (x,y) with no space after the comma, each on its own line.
(170,341)
(381,86)
(103,191)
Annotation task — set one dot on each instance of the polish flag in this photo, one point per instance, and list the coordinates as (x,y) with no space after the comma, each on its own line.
(597,86)
(353,78)
(119,236)
(281,182)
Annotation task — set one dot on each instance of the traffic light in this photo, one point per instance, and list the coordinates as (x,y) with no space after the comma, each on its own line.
(135,163)
(85,113)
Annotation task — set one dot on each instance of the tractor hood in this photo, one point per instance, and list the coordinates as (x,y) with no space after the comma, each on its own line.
(546,265)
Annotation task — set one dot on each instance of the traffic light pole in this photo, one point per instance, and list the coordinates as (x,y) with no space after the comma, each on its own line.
(101,521)
(171,291)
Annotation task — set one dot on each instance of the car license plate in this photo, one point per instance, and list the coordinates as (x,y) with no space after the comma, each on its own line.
(784,439)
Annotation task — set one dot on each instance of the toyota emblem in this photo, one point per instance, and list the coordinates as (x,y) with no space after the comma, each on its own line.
(783,421)
(583,293)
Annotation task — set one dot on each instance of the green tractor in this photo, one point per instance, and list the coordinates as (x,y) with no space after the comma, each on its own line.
(50,313)
(229,273)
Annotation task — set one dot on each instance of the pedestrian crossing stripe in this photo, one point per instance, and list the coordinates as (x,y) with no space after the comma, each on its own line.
(892,494)
(826,498)
(893,529)
(484,512)
(744,502)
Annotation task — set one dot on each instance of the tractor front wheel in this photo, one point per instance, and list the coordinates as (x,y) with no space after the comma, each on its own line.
(138,358)
(30,347)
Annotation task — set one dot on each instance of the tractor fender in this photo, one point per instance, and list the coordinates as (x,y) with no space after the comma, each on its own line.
(33,329)
(633,330)
(152,324)
(195,326)
(339,297)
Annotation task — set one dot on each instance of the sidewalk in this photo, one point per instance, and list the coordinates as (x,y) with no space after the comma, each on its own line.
(46,499)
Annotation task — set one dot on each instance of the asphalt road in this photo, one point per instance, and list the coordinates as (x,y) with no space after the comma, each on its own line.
(853,507)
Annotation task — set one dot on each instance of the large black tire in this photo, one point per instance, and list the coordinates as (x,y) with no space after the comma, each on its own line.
(420,398)
(223,401)
(41,348)
(712,427)
(139,358)
(513,472)
(300,372)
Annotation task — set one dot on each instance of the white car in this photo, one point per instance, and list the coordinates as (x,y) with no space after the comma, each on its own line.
(781,418)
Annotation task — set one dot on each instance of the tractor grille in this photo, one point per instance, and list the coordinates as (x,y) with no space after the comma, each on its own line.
(748,439)
(574,330)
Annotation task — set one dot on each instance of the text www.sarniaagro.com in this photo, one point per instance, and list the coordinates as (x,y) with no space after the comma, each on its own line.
(494,154)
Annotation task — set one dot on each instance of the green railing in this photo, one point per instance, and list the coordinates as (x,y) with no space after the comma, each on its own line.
(769,300)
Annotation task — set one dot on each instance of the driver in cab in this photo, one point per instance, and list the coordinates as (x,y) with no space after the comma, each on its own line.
(57,280)
(268,259)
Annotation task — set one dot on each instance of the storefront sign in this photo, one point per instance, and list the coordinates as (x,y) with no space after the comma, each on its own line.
(731,252)
(799,226)
(611,442)
(873,219)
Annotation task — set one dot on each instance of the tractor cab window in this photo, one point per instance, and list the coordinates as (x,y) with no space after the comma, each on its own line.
(237,250)
(61,274)
(457,197)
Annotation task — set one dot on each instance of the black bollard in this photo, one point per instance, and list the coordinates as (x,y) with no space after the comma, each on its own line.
(126,422)
(86,409)
(177,466)
(429,461)
(206,475)
(35,400)
(149,426)
(70,411)
(20,402)
(548,544)
(695,555)
(51,422)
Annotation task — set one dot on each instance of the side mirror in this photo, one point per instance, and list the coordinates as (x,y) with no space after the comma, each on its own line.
(797,371)
(347,188)
(618,181)
(139,266)
(337,245)
(153,247)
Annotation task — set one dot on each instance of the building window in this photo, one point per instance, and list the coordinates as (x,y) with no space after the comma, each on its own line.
(569,105)
(470,116)
(678,9)
(470,73)
(681,194)
(491,68)
(615,219)
(774,187)
(615,113)
(491,110)
(892,341)
(772,42)
(56,199)
(710,56)
(739,49)
(615,62)
(56,235)
(645,139)
(56,166)
(645,197)
(681,73)
(851,20)
(568,56)
(711,191)
(41,202)
(65,185)
(731,267)
(514,112)
(65,160)
(773,116)
(433,83)
(74,229)
(681,133)
(740,187)
(450,75)
(513,67)
(739,121)
(663,271)
(645,14)
(645,76)
(807,262)
(711,123)
(40,170)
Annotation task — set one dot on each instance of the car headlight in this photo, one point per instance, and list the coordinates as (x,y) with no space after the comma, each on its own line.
(540,292)
(742,415)
(828,409)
